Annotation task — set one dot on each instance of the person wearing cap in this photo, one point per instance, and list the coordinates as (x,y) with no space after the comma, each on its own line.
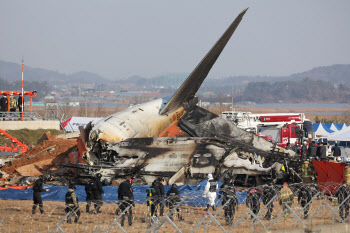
(20,99)
(126,199)
(227,194)
(38,188)
(154,197)
(286,198)
(97,191)
(161,197)
(210,192)
(13,103)
(268,194)
(306,172)
(342,195)
(252,200)
(72,204)
(304,198)
(172,200)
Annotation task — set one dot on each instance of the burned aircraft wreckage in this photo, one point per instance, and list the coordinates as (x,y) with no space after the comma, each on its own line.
(174,138)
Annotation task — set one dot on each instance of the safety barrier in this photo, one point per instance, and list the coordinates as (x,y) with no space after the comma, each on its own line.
(321,208)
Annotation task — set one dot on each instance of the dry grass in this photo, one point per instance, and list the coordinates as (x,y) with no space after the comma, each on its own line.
(19,218)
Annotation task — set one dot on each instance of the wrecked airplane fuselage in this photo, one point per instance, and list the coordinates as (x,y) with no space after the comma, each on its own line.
(177,159)
(128,143)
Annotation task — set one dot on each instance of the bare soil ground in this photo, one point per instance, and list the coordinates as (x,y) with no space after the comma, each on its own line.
(58,155)
(18,218)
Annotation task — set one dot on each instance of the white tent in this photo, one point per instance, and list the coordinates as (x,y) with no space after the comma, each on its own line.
(334,128)
(343,135)
(322,132)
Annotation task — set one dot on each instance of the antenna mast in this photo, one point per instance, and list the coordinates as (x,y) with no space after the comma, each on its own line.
(22,89)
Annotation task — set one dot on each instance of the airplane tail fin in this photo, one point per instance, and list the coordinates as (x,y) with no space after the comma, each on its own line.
(191,85)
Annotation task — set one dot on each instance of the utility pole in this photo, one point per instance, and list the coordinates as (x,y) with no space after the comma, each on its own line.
(22,90)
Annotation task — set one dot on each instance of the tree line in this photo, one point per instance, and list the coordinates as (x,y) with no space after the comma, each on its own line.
(42,88)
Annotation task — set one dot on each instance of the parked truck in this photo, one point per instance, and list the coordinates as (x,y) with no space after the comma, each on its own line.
(280,128)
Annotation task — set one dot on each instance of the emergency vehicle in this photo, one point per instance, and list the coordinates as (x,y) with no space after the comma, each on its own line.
(280,128)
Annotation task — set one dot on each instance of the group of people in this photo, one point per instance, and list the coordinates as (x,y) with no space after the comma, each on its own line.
(156,198)
(268,194)
(14,103)
(320,150)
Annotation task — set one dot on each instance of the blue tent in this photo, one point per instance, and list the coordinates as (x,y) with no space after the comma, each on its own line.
(315,126)
(327,128)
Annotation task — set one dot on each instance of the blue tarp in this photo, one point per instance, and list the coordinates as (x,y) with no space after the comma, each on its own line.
(57,193)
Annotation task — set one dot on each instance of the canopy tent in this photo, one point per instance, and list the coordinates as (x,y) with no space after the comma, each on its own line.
(332,126)
(315,126)
(322,131)
(341,126)
(343,135)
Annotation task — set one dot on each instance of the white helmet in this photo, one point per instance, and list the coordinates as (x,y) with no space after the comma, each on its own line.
(210,176)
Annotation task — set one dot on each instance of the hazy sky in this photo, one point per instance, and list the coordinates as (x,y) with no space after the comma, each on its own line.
(118,38)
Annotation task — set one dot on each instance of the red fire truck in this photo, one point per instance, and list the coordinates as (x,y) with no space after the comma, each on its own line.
(280,128)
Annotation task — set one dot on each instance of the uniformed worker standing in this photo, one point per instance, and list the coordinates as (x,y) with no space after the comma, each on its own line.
(126,199)
(173,199)
(304,197)
(306,172)
(210,192)
(89,194)
(253,200)
(72,206)
(38,188)
(342,194)
(286,198)
(227,193)
(268,194)
(97,191)
(155,197)
(161,197)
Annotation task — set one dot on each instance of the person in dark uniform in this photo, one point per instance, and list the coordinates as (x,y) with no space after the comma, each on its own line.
(72,206)
(342,193)
(38,188)
(20,98)
(227,193)
(269,193)
(173,199)
(253,200)
(89,194)
(161,197)
(322,152)
(4,105)
(126,199)
(312,150)
(155,197)
(336,151)
(97,191)
(305,197)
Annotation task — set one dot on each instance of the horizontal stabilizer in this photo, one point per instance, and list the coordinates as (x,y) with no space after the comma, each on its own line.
(191,85)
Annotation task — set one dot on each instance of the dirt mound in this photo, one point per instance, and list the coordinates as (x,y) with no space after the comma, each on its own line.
(53,149)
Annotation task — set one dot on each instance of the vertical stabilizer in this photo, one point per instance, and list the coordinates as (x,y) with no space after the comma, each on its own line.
(191,85)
